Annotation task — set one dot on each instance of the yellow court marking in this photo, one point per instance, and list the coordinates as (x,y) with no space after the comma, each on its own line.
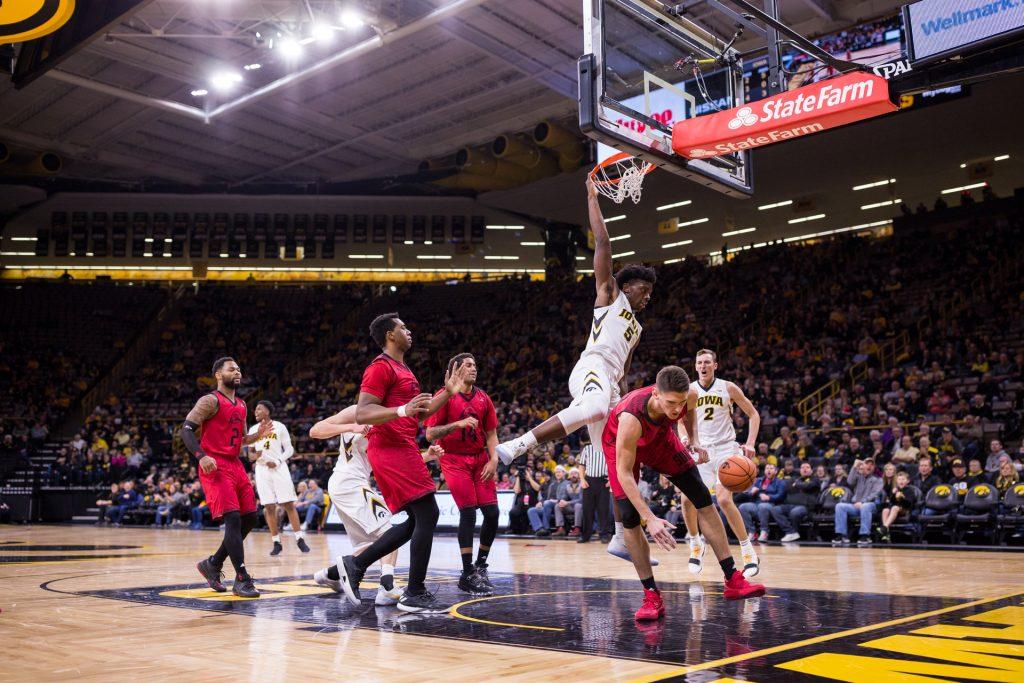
(819,639)
(284,589)
(454,609)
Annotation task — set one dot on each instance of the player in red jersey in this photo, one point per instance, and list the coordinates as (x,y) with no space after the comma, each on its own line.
(391,401)
(221,416)
(641,431)
(466,427)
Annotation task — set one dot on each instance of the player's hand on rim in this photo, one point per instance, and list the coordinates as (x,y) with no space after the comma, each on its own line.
(591,188)
(207,464)
(661,532)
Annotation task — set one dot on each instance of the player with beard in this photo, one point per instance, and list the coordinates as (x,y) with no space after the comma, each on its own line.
(221,416)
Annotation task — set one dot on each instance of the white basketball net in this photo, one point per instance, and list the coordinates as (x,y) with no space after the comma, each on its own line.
(618,178)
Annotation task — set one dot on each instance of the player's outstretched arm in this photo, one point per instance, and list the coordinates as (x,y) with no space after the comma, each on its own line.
(203,410)
(625,456)
(340,423)
(737,396)
(607,289)
(453,381)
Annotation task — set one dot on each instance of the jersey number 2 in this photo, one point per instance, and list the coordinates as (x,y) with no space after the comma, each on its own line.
(709,413)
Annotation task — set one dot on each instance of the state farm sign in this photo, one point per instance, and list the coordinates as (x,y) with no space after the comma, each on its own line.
(810,109)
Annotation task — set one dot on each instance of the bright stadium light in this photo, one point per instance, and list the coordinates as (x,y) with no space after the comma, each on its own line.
(738,232)
(815,217)
(253,67)
(322,33)
(200,92)
(350,18)
(225,80)
(290,48)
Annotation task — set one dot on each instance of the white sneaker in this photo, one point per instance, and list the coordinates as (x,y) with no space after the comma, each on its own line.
(762,537)
(302,527)
(322,579)
(696,564)
(751,567)
(617,547)
(386,598)
(510,450)
(789,538)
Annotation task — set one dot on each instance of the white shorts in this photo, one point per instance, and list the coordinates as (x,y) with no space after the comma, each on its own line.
(363,512)
(275,485)
(592,374)
(717,454)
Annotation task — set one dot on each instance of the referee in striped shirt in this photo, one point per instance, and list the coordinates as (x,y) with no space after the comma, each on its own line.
(595,494)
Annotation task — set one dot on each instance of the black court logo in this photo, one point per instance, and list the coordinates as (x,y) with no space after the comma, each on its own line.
(22,20)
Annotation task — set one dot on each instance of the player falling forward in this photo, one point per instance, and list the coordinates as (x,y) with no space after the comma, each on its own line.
(229,495)
(598,380)
(466,428)
(641,431)
(390,400)
(273,480)
(364,513)
(713,398)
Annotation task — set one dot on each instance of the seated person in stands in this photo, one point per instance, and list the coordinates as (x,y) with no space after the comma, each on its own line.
(802,493)
(839,476)
(107,503)
(899,501)
(975,473)
(867,489)
(768,492)
(925,478)
(572,502)
(1007,477)
(127,499)
(960,482)
(310,504)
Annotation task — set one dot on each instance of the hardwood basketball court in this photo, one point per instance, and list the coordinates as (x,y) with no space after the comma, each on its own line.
(96,603)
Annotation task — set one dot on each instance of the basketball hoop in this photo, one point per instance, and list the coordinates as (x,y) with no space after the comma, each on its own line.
(620,176)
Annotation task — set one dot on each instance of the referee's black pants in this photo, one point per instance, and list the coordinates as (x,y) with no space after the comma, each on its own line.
(596,494)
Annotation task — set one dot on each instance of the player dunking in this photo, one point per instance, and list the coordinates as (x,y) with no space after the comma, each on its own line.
(229,495)
(466,429)
(390,400)
(598,380)
(641,431)
(273,480)
(712,399)
(365,515)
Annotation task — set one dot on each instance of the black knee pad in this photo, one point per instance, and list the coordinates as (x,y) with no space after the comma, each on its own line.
(490,512)
(630,515)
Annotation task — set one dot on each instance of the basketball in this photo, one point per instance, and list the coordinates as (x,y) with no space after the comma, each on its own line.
(737,473)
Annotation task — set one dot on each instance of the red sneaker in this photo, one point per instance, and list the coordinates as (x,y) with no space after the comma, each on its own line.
(737,587)
(653,608)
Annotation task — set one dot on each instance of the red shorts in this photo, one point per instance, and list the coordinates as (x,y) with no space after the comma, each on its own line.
(227,488)
(664,462)
(401,474)
(462,472)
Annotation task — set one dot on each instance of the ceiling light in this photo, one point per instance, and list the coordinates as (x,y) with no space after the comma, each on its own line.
(775,205)
(878,204)
(676,244)
(620,217)
(738,232)
(674,260)
(1001,157)
(200,92)
(623,254)
(619,237)
(351,19)
(505,227)
(581,258)
(168,239)
(531,244)
(149,239)
(225,80)
(433,257)
(24,239)
(501,258)
(408,242)
(963,165)
(290,48)
(806,218)
(366,256)
(322,33)
(252,67)
(672,206)
(223,255)
(963,188)
(695,221)
(865,186)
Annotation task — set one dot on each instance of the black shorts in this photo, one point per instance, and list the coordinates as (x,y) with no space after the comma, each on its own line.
(689,482)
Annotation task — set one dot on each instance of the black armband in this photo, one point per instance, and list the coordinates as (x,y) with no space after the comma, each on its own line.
(188,437)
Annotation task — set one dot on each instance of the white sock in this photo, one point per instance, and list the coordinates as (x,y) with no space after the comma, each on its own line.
(618,529)
(299,535)
(747,545)
(528,440)
(276,539)
(694,541)
(386,569)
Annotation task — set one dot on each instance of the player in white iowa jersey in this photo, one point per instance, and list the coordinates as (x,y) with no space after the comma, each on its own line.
(273,480)
(362,510)
(598,380)
(711,399)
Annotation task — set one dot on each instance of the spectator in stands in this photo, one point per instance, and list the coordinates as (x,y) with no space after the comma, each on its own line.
(106,503)
(821,474)
(995,455)
(768,491)
(542,514)
(906,454)
(959,481)
(899,501)
(976,474)
(925,478)
(310,504)
(573,502)
(802,493)
(888,476)
(527,490)
(198,510)
(1007,476)
(805,449)
(949,445)
(867,490)
(164,506)
(127,499)
(839,476)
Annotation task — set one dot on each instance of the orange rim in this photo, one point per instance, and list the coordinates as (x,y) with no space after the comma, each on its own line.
(613,159)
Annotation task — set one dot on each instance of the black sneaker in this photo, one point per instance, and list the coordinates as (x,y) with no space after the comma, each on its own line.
(302,545)
(583,539)
(470,583)
(277,549)
(243,587)
(840,540)
(421,603)
(213,575)
(485,580)
(351,575)
(543,532)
